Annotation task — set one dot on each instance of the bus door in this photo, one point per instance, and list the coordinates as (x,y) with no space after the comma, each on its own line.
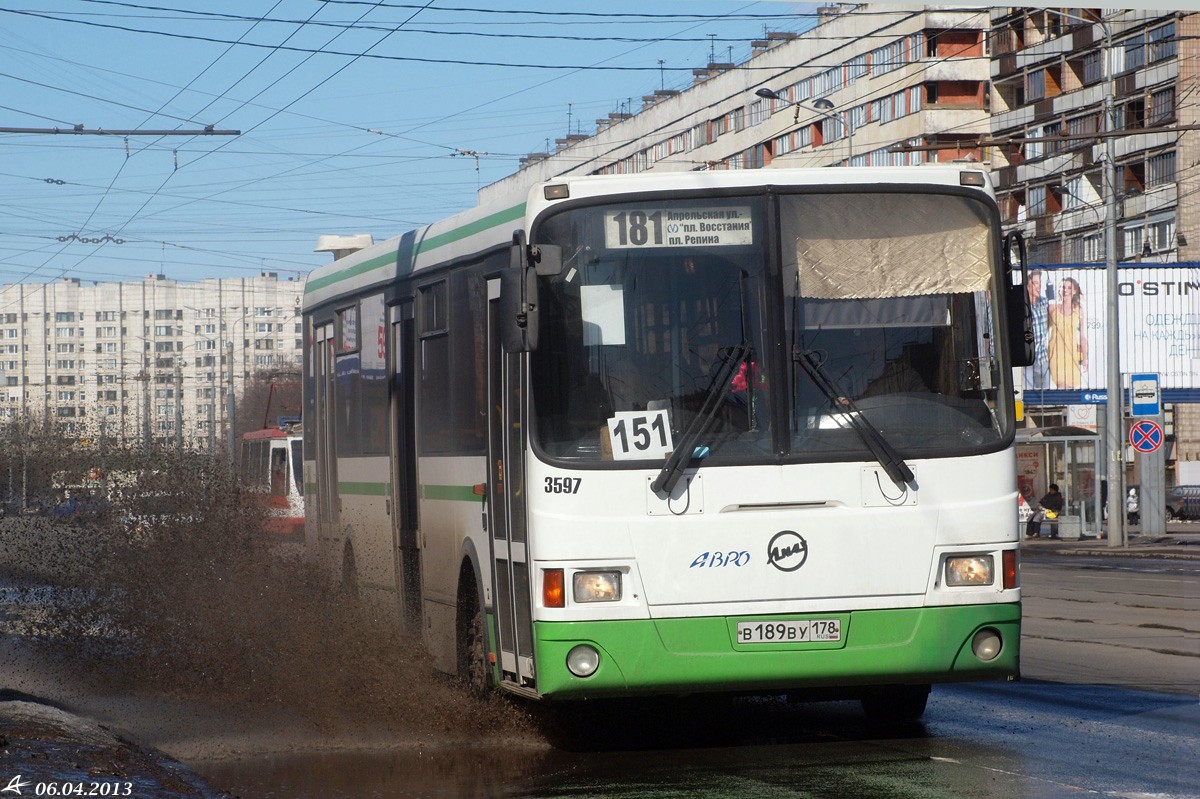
(506,513)
(326,456)
(404,463)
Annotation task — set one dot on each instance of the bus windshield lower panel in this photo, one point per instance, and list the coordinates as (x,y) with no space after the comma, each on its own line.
(662,311)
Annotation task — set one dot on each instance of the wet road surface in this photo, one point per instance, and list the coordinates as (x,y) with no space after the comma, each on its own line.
(998,740)
(1098,632)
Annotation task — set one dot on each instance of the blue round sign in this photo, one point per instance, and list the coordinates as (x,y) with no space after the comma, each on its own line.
(1146,436)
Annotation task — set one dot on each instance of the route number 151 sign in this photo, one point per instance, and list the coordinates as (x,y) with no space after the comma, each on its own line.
(637,435)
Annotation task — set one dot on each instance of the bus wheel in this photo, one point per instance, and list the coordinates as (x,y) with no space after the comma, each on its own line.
(473,667)
(349,571)
(895,703)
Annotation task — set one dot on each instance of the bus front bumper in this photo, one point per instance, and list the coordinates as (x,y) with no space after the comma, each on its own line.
(691,655)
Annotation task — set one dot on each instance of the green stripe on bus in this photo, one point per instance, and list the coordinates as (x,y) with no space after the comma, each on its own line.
(364,489)
(478,226)
(358,269)
(432,243)
(450,493)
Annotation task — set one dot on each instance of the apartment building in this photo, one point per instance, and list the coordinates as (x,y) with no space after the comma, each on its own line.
(1048,82)
(852,88)
(1048,102)
(145,359)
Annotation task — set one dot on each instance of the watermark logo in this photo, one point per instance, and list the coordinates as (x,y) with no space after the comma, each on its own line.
(15,785)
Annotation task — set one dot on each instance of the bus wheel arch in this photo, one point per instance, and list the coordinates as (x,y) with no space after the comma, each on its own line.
(472,650)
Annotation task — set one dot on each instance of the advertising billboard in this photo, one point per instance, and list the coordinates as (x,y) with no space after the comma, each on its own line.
(1159,311)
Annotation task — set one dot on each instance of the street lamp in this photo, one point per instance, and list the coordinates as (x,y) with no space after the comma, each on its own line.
(1114,403)
(823,106)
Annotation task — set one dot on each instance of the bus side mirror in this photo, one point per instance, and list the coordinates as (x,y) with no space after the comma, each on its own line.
(1019,313)
(519,300)
(547,259)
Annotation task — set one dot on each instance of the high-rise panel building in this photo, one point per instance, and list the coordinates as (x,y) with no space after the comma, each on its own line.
(143,360)
(850,90)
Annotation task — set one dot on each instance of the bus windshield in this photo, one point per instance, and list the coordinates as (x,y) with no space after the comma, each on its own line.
(640,324)
(690,320)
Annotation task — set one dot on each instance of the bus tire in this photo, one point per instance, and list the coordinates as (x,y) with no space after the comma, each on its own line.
(349,571)
(895,703)
(473,667)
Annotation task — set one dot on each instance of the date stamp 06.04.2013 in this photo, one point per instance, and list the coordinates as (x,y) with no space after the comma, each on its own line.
(19,786)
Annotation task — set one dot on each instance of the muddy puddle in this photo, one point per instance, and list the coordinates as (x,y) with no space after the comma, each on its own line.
(208,641)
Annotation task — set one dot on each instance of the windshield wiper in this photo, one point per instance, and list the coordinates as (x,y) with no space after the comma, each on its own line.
(880,447)
(681,456)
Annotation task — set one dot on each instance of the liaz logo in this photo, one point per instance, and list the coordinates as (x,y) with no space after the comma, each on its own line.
(787,551)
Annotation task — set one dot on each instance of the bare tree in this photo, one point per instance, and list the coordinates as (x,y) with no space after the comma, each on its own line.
(268,396)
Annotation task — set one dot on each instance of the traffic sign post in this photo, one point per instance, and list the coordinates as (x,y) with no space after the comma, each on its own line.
(1144,396)
(1148,440)
(1146,436)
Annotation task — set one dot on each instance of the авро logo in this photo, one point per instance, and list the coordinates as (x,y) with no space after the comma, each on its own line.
(787,551)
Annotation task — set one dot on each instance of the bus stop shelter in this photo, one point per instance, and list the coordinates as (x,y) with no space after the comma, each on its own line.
(1070,457)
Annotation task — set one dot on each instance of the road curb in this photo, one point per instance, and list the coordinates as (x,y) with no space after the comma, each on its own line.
(47,750)
(1174,550)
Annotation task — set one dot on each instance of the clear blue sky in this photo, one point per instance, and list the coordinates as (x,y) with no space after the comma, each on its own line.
(358,138)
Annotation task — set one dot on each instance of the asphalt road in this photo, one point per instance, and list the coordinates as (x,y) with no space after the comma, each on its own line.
(1132,622)
(1002,741)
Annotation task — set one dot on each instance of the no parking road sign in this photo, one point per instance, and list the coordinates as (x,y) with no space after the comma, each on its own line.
(1146,436)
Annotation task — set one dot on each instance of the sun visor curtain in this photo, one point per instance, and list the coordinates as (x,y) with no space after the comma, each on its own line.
(860,246)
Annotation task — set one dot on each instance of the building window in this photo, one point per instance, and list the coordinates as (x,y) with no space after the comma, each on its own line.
(1035,85)
(1160,234)
(1130,53)
(1160,43)
(1093,68)
(856,67)
(1162,106)
(1131,242)
(1037,200)
(1053,145)
(887,58)
(1160,169)
(1079,127)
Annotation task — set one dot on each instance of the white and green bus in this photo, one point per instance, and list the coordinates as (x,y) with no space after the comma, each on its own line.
(745,431)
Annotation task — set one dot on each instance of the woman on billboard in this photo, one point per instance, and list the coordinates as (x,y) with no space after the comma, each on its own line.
(1067,346)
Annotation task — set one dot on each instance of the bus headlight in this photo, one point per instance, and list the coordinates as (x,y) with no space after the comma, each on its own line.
(969,570)
(597,586)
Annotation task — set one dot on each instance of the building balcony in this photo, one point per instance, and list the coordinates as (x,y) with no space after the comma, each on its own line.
(953,119)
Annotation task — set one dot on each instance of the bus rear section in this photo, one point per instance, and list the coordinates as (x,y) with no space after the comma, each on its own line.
(273,472)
